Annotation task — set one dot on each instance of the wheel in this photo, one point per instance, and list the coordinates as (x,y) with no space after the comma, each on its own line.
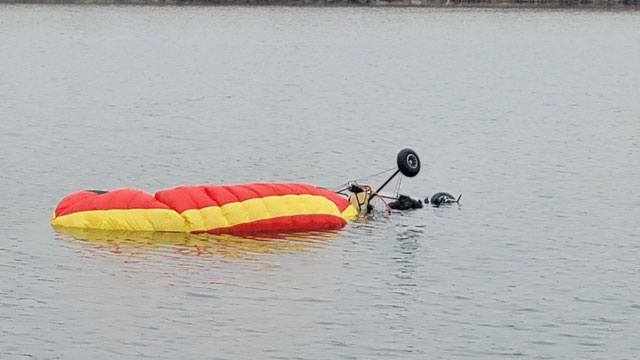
(408,162)
(441,198)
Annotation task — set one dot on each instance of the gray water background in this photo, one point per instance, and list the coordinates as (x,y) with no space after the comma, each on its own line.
(533,115)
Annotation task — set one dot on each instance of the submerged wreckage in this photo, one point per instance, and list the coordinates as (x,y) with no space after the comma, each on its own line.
(235,208)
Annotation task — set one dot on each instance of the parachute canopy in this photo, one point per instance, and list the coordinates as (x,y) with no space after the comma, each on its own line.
(206,208)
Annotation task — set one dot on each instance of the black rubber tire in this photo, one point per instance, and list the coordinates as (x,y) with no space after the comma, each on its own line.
(408,162)
(437,197)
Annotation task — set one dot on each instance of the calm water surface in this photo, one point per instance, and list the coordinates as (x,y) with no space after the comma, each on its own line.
(533,115)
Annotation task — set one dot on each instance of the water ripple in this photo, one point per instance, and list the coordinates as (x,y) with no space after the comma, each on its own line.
(539,261)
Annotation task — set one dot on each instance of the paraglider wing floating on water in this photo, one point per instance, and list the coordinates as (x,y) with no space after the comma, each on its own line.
(207,208)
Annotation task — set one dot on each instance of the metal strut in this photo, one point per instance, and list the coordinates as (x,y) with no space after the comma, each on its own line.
(385,184)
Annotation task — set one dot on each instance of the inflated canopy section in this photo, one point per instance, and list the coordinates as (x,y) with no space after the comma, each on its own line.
(213,209)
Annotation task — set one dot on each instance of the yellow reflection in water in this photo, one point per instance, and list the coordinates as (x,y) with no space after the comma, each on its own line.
(240,247)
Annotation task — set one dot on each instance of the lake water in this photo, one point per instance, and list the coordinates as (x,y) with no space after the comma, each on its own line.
(533,115)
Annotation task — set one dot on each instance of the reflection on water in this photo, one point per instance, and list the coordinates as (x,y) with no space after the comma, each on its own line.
(139,243)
